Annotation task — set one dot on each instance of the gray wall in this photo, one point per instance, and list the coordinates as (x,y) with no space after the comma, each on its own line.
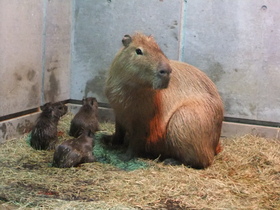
(237,43)
(34,53)
(53,50)
(98,31)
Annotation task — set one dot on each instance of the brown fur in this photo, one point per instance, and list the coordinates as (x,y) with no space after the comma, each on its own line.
(73,152)
(44,133)
(86,118)
(165,108)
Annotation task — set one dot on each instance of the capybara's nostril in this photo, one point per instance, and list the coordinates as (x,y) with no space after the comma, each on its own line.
(164,72)
(164,69)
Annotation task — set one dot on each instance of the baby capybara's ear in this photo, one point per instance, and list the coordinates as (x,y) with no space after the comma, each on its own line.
(126,40)
(84,101)
(46,107)
(93,102)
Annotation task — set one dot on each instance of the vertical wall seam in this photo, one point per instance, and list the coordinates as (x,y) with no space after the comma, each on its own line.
(72,46)
(44,51)
(182,27)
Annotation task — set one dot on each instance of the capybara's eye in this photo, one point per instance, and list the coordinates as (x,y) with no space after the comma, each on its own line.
(139,51)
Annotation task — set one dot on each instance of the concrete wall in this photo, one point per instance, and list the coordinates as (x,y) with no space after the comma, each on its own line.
(99,27)
(20,55)
(237,44)
(53,50)
(57,50)
(34,53)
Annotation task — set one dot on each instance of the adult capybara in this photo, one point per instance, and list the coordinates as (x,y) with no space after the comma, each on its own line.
(86,118)
(44,133)
(165,108)
(73,152)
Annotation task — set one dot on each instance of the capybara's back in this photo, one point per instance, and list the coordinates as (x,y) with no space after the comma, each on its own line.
(74,152)
(86,118)
(166,108)
(44,133)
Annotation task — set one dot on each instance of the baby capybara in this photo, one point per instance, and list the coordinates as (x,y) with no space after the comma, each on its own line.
(73,152)
(86,118)
(44,133)
(165,108)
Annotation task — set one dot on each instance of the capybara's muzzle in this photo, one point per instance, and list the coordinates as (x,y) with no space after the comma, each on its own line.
(162,76)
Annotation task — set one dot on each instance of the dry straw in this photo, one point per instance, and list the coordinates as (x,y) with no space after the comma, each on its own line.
(246,175)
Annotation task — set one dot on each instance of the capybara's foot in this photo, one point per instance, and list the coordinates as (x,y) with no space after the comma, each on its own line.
(219,148)
(124,157)
(127,156)
(91,159)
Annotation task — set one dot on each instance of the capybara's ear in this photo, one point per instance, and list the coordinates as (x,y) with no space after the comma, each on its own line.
(126,40)
(92,101)
(84,100)
(47,108)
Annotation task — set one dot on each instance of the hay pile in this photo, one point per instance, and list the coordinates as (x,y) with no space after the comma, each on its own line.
(245,175)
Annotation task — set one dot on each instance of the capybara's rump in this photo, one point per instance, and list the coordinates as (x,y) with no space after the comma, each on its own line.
(198,147)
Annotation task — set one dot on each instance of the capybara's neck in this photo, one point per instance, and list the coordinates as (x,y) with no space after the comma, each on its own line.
(134,97)
(87,108)
(48,119)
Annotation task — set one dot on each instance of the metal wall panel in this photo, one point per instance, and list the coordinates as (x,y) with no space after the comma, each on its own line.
(99,28)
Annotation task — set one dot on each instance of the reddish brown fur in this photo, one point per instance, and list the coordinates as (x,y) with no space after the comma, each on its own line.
(165,108)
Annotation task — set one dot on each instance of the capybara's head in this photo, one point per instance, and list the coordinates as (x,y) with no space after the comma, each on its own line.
(54,110)
(142,62)
(90,101)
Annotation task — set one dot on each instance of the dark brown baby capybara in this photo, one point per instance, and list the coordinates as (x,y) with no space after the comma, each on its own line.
(86,118)
(73,152)
(44,133)
(166,108)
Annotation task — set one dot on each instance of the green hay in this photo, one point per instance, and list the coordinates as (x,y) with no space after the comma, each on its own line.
(114,157)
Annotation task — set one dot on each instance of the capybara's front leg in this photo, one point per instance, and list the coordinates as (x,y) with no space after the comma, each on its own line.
(136,145)
(89,158)
(118,136)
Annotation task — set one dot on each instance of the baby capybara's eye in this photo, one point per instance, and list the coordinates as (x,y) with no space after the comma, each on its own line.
(139,51)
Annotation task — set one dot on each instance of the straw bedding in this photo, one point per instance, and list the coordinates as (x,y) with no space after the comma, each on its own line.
(246,174)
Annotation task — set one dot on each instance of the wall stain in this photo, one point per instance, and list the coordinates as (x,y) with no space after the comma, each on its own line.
(96,85)
(174,25)
(77,11)
(24,78)
(216,72)
(33,95)
(252,108)
(24,127)
(51,69)
(227,105)
(31,74)
(18,76)
(3,128)
(54,88)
